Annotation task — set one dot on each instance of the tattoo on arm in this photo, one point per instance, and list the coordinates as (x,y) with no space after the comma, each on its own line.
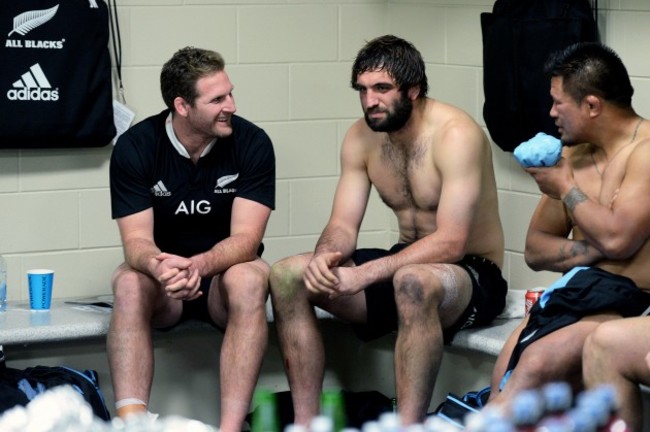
(573,249)
(573,198)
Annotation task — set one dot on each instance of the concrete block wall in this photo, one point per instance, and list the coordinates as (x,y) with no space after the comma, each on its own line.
(290,63)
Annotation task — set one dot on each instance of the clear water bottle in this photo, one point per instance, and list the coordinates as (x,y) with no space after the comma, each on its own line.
(3,284)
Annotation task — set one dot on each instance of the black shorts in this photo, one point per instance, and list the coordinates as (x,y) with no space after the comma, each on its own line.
(198,309)
(489,290)
(587,291)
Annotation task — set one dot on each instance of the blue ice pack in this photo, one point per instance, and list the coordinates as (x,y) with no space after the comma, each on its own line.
(542,150)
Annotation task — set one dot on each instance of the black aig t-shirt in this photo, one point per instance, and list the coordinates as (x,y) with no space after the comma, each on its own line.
(191,203)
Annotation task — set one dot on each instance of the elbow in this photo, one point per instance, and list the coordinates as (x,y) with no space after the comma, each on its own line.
(456,251)
(618,250)
(533,262)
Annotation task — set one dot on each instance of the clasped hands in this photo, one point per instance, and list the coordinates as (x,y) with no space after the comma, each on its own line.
(178,276)
(324,275)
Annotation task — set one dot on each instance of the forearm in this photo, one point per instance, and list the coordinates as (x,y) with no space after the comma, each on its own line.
(337,239)
(429,250)
(233,250)
(594,220)
(559,254)
(140,254)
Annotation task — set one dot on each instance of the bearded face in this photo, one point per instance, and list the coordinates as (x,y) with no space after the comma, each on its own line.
(394,117)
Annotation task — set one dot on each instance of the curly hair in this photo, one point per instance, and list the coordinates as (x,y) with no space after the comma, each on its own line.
(398,57)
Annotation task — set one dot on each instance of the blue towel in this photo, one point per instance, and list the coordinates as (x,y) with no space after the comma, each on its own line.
(542,150)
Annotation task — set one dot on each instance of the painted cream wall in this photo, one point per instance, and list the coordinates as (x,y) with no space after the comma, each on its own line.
(290,62)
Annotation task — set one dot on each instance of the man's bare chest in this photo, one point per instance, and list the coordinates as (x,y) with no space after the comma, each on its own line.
(404,184)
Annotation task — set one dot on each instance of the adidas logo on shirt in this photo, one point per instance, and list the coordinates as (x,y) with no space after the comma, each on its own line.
(33,85)
(160,190)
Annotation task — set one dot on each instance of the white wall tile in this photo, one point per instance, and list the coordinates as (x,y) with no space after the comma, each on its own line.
(258,99)
(465,40)
(288,33)
(515,210)
(641,98)
(322,91)
(359,24)
(520,180)
(635,5)
(96,227)
(501,164)
(142,91)
(9,171)
(522,277)
(62,169)
(39,222)
(278,248)
(423,26)
(305,149)
(456,85)
(628,35)
(311,203)
(158,32)
(446,2)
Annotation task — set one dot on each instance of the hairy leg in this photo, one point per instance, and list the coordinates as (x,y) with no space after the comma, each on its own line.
(138,302)
(429,298)
(615,354)
(237,301)
(300,340)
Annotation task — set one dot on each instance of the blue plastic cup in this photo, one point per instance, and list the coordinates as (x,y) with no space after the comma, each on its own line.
(40,288)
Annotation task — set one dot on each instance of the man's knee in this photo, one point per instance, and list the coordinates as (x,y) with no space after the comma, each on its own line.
(535,363)
(247,283)
(415,287)
(132,288)
(596,344)
(286,275)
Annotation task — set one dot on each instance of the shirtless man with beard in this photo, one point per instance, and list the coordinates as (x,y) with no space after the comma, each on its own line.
(431,163)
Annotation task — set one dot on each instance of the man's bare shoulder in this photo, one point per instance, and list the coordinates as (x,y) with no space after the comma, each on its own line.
(360,139)
(453,128)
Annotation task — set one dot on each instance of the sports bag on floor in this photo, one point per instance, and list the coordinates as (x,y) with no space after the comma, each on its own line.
(20,386)
(55,79)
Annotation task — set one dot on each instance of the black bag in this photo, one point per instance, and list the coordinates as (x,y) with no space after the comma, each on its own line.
(454,409)
(55,79)
(19,387)
(518,38)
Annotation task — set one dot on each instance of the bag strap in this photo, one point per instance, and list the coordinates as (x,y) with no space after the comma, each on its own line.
(117,44)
